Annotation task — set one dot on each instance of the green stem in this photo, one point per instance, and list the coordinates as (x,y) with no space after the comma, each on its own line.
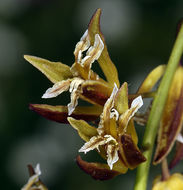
(165,170)
(156,112)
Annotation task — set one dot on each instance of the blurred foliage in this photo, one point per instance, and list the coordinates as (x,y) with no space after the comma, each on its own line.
(50,29)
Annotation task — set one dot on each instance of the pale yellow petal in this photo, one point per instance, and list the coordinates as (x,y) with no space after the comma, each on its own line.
(54,71)
(152,79)
(112,155)
(85,131)
(74,90)
(57,89)
(93,52)
(125,118)
(94,143)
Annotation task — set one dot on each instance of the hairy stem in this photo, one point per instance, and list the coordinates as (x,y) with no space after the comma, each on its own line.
(156,112)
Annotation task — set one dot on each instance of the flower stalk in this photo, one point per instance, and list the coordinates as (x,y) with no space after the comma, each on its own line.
(165,170)
(156,112)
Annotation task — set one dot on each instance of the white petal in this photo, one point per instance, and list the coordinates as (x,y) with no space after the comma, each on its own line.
(37,169)
(92,144)
(107,106)
(79,56)
(74,94)
(111,98)
(114,113)
(57,89)
(76,82)
(112,155)
(114,92)
(109,138)
(179,138)
(98,41)
(84,35)
(95,50)
(137,102)
(81,46)
(84,59)
(74,102)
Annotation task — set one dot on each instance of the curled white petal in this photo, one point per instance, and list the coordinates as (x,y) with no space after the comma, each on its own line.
(108,105)
(74,95)
(112,155)
(98,42)
(57,89)
(137,102)
(113,94)
(81,46)
(92,144)
(84,59)
(114,113)
(95,50)
(109,138)
(79,56)
(179,138)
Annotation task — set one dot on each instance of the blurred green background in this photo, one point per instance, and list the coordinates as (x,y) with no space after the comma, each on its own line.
(139,35)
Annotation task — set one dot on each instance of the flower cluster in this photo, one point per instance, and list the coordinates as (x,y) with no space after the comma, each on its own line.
(114,137)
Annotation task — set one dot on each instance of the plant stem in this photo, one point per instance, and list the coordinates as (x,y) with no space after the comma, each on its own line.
(165,170)
(156,112)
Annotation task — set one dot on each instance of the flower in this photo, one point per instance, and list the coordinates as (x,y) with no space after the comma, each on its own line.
(174,182)
(34,182)
(115,138)
(79,79)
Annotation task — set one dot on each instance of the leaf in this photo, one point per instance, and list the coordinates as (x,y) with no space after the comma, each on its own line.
(85,131)
(60,113)
(104,60)
(54,71)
